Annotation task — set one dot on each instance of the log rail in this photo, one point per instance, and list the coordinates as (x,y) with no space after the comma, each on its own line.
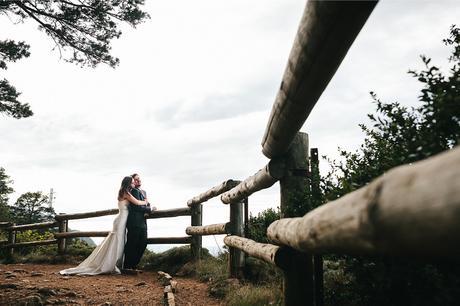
(62,233)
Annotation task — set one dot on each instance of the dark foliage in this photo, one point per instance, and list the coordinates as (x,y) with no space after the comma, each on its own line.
(5,190)
(31,207)
(258,224)
(170,261)
(400,135)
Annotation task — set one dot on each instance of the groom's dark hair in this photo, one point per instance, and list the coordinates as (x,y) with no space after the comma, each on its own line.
(133,175)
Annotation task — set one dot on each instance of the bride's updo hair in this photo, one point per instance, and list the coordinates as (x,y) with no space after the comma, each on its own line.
(125,187)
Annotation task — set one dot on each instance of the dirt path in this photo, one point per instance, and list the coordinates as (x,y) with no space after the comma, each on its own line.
(29,284)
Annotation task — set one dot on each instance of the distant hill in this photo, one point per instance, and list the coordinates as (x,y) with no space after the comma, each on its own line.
(88,240)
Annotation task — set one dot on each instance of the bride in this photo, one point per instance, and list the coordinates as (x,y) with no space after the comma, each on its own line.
(108,256)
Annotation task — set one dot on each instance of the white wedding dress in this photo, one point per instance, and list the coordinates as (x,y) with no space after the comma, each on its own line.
(107,257)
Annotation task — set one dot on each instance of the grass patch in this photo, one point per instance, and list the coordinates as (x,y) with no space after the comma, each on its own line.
(251,295)
(262,285)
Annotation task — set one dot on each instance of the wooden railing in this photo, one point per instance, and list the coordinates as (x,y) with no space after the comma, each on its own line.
(412,210)
(62,234)
(406,212)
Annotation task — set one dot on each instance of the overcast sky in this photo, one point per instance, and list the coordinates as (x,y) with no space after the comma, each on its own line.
(188,105)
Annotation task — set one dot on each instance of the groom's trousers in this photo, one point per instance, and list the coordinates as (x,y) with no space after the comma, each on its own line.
(136,243)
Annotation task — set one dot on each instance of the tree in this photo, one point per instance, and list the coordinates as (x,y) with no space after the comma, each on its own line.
(32,207)
(5,190)
(402,135)
(81,29)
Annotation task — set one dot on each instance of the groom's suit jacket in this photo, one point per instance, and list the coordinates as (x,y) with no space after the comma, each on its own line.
(136,212)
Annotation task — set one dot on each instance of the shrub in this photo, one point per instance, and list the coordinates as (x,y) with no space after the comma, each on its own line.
(259,272)
(258,224)
(250,295)
(400,135)
(169,261)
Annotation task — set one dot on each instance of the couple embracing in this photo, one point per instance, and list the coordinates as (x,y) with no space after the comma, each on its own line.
(125,244)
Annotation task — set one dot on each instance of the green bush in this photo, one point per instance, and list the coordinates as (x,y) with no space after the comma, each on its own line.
(250,295)
(258,224)
(77,250)
(34,235)
(211,269)
(169,261)
(259,272)
(399,135)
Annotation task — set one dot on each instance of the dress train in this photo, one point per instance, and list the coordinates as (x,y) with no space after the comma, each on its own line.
(107,257)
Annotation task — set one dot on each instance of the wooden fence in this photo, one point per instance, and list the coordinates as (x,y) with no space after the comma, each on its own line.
(62,233)
(412,210)
(406,212)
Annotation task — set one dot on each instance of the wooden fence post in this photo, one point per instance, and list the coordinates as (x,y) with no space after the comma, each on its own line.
(62,241)
(316,198)
(237,257)
(66,230)
(298,274)
(11,241)
(197,220)
(246,216)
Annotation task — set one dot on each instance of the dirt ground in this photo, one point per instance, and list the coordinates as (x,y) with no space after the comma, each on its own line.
(27,284)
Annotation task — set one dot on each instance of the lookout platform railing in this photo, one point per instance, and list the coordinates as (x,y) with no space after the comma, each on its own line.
(61,229)
(412,210)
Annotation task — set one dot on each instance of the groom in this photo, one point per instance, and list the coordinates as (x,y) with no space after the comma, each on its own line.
(136,240)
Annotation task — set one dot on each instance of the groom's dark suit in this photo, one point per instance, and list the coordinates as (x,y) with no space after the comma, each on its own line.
(136,225)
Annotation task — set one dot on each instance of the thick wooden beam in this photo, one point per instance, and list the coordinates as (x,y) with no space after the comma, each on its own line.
(412,210)
(212,229)
(170,240)
(263,179)
(326,32)
(85,215)
(167,213)
(213,192)
(81,234)
(24,227)
(266,252)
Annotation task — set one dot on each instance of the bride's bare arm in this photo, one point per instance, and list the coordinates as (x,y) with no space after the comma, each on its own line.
(133,200)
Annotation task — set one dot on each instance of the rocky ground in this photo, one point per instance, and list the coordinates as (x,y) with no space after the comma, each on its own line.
(27,284)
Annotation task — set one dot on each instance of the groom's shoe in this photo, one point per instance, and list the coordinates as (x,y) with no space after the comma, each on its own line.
(129,272)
